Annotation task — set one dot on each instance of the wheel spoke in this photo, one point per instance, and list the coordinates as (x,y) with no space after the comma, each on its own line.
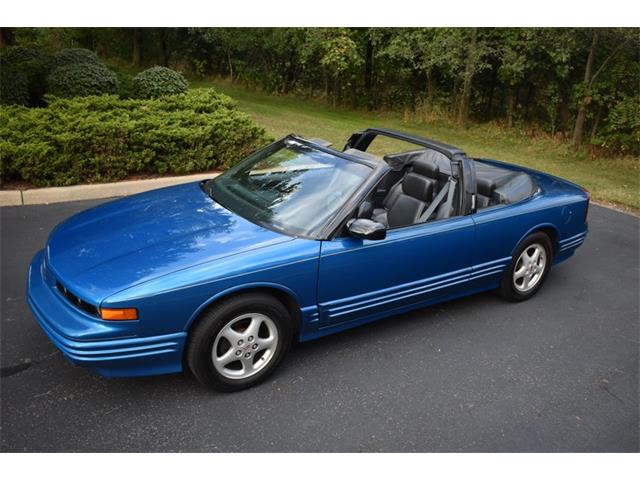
(247,365)
(267,343)
(520,272)
(226,358)
(253,328)
(536,256)
(231,335)
(527,258)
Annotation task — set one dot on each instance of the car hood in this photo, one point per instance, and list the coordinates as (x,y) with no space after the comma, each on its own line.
(114,246)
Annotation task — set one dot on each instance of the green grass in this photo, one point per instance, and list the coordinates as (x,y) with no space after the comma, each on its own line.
(610,180)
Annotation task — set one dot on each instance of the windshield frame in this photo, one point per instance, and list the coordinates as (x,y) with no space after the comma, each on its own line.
(324,231)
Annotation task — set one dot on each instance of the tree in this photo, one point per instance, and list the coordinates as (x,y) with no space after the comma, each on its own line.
(516,59)
(469,71)
(586,99)
(137,36)
(620,37)
(336,52)
(571,82)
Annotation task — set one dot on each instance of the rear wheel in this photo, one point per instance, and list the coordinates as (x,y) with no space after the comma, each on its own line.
(239,342)
(528,269)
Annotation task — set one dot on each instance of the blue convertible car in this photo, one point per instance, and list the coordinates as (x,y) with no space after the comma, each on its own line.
(297,241)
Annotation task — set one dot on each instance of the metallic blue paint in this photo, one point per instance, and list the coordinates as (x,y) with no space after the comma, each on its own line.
(172,252)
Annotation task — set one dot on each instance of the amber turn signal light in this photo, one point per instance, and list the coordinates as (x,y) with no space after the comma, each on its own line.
(117,314)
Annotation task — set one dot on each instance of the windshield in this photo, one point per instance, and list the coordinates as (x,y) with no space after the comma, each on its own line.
(289,186)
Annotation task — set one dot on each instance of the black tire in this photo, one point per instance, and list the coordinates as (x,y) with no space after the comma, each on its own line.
(507,289)
(204,333)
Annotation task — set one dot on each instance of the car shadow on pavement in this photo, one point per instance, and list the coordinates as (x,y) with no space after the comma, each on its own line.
(304,357)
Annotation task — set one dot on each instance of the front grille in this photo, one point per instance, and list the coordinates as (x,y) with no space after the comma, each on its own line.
(77,301)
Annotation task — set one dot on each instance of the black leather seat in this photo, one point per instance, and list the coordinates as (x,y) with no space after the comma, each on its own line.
(485,189)
(408,199)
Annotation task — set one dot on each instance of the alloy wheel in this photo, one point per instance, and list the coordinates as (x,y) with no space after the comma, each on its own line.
(244,346)
(529,268)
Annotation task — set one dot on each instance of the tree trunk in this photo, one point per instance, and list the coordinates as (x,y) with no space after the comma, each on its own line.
(368,72)
(510,106)
(594,127)
(87,38)
(162,33)
(230,63)
(582,110)
(326,86)
(489,106)
(528,100)
(465,101)
(429,88)
(137,47)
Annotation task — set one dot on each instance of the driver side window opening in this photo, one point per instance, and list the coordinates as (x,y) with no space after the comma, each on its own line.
(418,189)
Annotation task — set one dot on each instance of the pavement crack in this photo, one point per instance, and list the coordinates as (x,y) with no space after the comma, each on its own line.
(14,369)
(604,385)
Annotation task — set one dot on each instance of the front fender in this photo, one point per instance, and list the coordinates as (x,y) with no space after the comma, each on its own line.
(239,289)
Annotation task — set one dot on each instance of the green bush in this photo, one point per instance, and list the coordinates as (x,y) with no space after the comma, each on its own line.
(14,87)
(72,56)
(104,138)
(22,66)
(125,81)
(81,80)
(17,54)
(157,82)
(622,127)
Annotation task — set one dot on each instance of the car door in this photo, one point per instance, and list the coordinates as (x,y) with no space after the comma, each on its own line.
(362,280)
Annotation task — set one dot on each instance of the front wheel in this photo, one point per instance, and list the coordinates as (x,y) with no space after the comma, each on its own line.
(528,269)
(239,342)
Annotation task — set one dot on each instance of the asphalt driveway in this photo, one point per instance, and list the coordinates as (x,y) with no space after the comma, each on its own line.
(556,373)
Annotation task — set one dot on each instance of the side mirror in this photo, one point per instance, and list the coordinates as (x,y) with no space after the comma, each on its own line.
(365,228)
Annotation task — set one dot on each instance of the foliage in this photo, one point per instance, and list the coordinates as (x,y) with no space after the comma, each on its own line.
(608,178)
(18,54)
(104,138)
(157,82)
(81,80)
(526,78)
(125,81)
(622,131)
(14,87)
(23,75)
(72,56)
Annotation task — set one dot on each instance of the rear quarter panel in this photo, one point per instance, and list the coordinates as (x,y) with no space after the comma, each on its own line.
(559,206)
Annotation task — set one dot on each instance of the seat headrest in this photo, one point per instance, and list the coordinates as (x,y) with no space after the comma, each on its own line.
(426,167)
(419,187)
(485,186)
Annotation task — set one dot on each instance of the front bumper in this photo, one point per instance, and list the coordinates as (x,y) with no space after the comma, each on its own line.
(94,343)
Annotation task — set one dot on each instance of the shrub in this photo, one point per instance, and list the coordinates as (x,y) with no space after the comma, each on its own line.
(22,66)
(81,80)
(622,127)
(125,81)
(72,56)
(14,87)
(157,82)
(104,138)
(11,56)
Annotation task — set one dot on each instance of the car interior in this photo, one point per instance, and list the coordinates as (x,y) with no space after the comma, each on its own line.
(414,190)
(404,195)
